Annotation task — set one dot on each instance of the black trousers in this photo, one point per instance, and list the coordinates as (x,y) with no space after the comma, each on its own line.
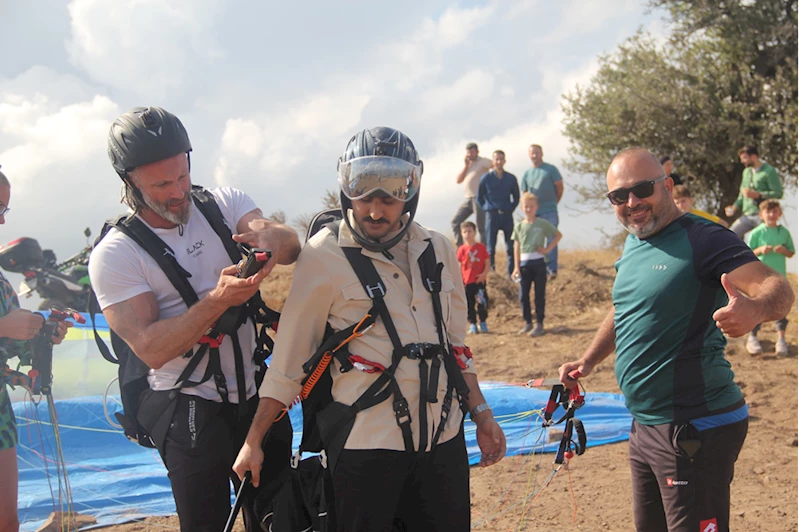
(673,493)
(533,272)
(392,491)
(201,445)
(475,299)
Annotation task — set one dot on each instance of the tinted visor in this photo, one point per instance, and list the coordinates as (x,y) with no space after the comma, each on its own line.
(362,176)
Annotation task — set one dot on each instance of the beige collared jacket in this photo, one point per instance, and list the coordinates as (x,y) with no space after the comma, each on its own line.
(325,289)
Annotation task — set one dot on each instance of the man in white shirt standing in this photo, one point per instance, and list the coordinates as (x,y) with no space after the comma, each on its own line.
(474,167)
(199,430)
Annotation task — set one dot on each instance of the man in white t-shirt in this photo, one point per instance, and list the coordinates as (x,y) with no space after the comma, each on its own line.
(474,167)
(149,148)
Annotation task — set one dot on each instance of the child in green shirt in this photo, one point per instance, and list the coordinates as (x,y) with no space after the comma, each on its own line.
(772,243)
(529,252)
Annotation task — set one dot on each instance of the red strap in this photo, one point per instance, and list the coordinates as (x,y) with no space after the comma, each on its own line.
(463,356)
(213,343)
(367,366)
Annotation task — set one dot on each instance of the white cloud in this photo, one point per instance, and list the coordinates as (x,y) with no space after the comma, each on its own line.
(419,56)
(147,46)
(581,17)
(271,145)
(470,89)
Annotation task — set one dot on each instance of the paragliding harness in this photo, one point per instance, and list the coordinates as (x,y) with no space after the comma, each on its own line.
(133,372)
(305,499)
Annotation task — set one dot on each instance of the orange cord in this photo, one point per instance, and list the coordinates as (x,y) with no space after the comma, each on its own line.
(574,498)
(314,377)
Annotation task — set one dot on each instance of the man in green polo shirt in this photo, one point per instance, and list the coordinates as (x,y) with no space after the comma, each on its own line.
(682,284)
(759,182)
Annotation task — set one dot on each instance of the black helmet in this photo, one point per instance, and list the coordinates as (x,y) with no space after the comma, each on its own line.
(380,159)
(145,135)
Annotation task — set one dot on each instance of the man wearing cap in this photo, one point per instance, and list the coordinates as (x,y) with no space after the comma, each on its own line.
(474,167)
(204,424)
(401,459)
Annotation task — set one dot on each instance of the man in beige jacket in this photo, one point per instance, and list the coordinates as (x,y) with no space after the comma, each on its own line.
(378,479)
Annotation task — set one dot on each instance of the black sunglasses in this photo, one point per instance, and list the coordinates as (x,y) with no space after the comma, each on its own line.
(642,190)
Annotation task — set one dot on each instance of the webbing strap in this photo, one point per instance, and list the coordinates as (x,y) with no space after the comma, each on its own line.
(161,253)
(375,289)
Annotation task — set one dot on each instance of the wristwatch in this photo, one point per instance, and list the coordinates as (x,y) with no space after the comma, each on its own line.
(482,407)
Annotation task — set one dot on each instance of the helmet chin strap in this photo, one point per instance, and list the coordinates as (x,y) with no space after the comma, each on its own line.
(370,243)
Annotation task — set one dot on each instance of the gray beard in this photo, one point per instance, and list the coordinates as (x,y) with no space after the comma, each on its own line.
(179,218)
(647,230)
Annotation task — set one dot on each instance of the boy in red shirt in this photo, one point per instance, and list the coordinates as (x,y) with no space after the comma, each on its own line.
(473,256)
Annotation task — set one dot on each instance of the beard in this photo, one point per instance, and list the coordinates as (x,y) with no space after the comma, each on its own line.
(162,209)
(657,215)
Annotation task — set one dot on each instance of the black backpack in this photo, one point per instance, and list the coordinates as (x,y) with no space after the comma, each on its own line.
(303,496)
(132,371)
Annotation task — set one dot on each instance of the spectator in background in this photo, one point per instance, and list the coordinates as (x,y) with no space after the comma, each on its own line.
(772,243)
(685,202)
(474,167)
(543,180)
(668,167)
(498,196)
(472,256)
(758,182)
(529,252)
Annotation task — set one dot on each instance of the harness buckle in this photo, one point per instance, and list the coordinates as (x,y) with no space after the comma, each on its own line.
(295,460)
(371,290)
(401,411)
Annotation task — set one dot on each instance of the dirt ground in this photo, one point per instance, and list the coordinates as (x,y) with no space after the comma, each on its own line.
(595,494)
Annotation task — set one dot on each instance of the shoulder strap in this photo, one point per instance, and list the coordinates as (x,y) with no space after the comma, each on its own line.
(136,230)
(375,289)
(206,204)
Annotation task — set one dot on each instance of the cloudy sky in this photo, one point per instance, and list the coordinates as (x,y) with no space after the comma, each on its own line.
(270,92)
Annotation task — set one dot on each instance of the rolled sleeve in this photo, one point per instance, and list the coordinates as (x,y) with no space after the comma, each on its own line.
(302,326)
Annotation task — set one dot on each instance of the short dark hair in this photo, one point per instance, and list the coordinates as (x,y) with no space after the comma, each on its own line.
(469,224)
(537,146)
(499,151)
(471,146)
(665,158)
(749,149)
(680,191)
(769,204)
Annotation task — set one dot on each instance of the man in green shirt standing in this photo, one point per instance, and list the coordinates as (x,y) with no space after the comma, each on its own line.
(759,182)
(682,284)
(543,180)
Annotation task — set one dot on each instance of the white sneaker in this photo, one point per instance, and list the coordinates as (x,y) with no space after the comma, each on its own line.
(781,347)
(753,346)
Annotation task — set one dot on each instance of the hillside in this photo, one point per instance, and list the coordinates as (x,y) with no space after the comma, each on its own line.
(764,492)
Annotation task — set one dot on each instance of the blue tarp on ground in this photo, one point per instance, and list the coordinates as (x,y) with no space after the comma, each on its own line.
(116,480)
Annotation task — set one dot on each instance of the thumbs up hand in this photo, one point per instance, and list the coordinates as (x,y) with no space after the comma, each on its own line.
(740,315)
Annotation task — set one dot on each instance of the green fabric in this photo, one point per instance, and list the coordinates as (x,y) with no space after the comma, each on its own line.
(11,348)
(8,425)
(541,182)
(765,180)
(669,353)
(762,235)
(532,236)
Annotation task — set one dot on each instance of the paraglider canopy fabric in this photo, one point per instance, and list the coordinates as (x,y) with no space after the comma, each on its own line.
(116,481)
